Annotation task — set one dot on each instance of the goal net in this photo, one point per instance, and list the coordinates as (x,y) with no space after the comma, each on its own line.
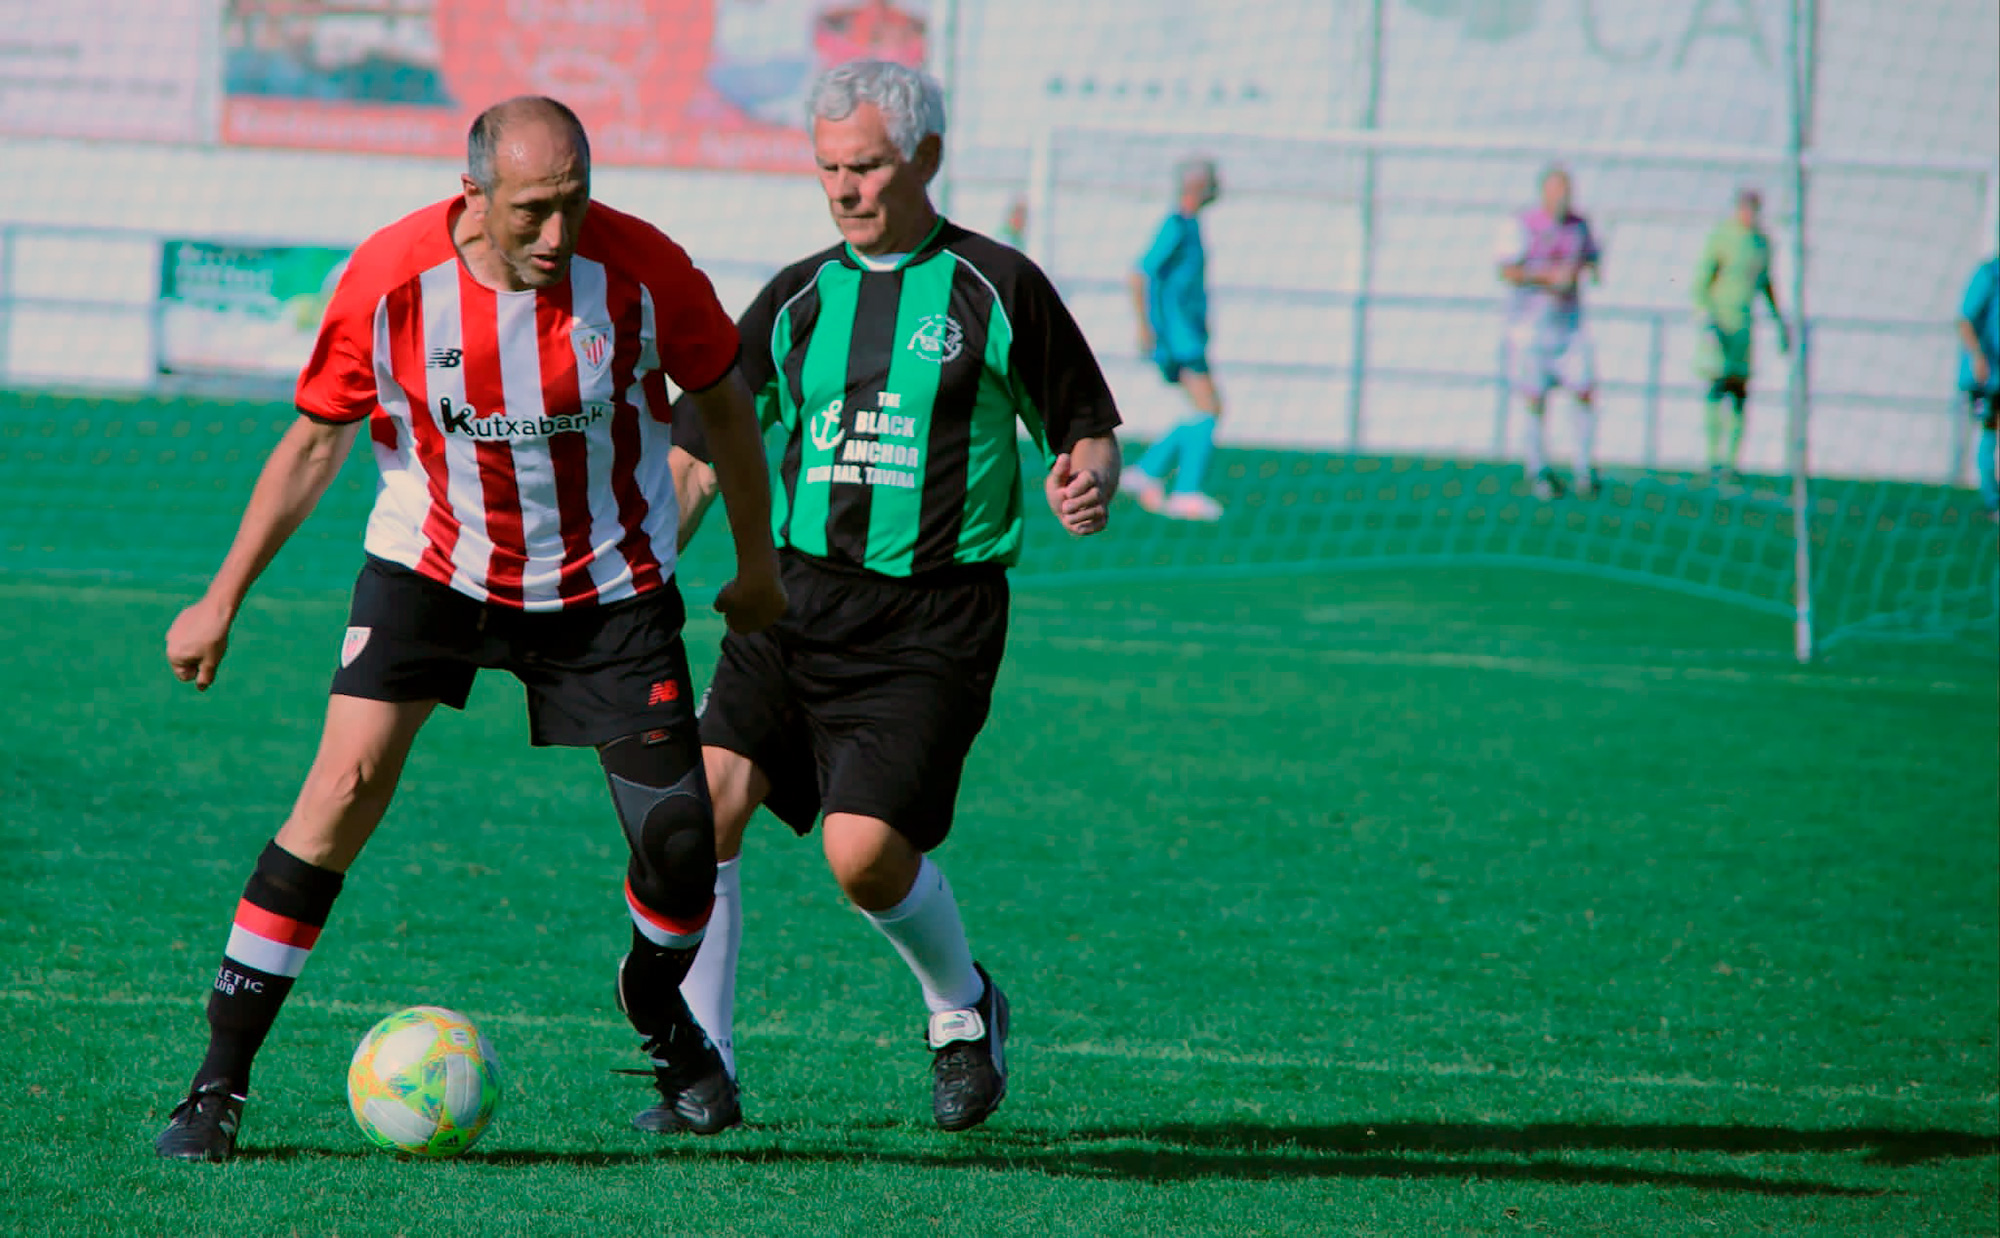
(1371,154)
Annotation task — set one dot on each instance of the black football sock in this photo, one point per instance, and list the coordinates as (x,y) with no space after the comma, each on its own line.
(284,906)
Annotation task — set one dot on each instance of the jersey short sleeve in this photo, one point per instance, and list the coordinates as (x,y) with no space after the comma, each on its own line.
(689,434)
(697,340)
(1166,244)
(694,339)
(754,361)
(338,383)
(755,327)
(1054,368)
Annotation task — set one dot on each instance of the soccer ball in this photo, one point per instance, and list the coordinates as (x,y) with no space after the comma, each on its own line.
(424,1082)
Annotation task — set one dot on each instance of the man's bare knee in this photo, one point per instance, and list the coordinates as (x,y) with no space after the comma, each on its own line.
(874,865)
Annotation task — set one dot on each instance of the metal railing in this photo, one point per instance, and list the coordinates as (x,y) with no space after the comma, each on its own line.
(1352,376)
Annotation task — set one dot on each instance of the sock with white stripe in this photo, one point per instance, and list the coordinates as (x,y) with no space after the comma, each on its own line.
(710,987)
(1197,449)
(284,907)
(926,930)
(1536,451)
(1583,418)
(663,949)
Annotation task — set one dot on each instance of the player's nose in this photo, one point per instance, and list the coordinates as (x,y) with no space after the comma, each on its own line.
(554,237)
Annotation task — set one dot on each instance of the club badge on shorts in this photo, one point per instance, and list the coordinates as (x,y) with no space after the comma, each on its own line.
(352,644)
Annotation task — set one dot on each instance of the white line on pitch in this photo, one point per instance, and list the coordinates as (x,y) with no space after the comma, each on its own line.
(1532,666)
(1121,1050)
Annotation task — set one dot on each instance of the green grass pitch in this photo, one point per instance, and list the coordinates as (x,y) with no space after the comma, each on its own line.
(1409,902)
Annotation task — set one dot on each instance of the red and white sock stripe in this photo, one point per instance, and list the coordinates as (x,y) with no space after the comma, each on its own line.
(663,931)
(274,944)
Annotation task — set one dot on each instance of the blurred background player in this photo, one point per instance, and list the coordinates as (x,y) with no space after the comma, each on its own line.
(1014,225)
(1544,253)
(1170,295)
(1979,372)
(1735,270)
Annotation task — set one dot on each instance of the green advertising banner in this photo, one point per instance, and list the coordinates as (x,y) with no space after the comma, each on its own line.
(242,309)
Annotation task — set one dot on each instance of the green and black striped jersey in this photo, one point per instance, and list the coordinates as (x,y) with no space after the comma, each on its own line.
(897,393)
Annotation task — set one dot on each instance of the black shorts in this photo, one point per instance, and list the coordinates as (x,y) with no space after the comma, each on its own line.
(593,674)
(1984,407)
(866,697)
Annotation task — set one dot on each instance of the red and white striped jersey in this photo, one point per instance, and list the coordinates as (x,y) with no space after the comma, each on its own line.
(522,436)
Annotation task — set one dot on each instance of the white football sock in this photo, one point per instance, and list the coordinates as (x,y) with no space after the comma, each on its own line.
(1585,421)
(1537,449)
(710,987)
(926,930)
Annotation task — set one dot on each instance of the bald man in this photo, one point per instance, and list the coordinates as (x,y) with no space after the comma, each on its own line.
(509,349)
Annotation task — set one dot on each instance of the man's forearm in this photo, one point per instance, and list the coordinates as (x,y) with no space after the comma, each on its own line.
(300,468)
(1098,455)
(1968,335)
(730,419)
(1704,287)
(694,491)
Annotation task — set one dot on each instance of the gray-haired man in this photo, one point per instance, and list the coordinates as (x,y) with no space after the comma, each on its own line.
(898,364)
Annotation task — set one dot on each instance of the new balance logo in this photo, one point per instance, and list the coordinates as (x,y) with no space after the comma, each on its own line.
(662,692)
(444,358)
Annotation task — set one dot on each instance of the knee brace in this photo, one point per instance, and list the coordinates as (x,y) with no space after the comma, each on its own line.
(661,795)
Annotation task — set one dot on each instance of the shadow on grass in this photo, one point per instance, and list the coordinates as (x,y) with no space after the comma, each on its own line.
(1880,1145)
(1180,1152)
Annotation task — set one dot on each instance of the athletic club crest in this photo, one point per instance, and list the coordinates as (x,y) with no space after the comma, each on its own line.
(938,338)
(352,644)
(593,345)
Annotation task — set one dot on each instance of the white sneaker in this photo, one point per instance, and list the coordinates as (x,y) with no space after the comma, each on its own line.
(1143,486)
(1192,505)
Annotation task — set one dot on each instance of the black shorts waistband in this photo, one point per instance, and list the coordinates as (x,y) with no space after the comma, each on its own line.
(938,578)
(667,590)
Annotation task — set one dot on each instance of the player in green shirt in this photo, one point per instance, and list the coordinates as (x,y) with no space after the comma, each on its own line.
(1735,270)
(899,369)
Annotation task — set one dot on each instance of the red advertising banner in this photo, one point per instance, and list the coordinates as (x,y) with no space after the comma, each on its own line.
(687,83)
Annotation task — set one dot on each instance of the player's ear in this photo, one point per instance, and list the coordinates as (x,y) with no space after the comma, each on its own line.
(930,155)
(475,197)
